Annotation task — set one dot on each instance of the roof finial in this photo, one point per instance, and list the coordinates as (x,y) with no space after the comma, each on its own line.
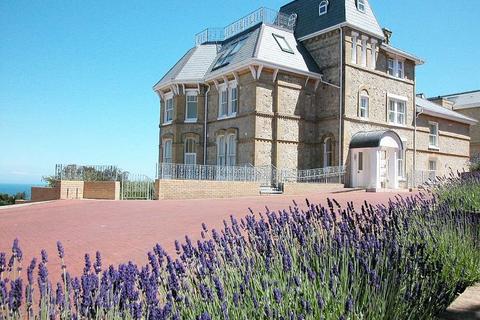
(388,35)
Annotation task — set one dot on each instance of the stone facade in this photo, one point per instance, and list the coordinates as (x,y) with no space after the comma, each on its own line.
(288,120)
(474,130)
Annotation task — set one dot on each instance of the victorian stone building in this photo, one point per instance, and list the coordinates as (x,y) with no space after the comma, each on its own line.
(317,84)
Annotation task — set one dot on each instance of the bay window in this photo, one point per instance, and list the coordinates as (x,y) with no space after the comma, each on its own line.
(228,100)
(227,150)
(191,106)
(167,151)
(168,114)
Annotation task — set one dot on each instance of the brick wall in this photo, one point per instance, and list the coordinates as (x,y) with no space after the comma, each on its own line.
(108,190)
(193,189)
(304,188)
(45,193)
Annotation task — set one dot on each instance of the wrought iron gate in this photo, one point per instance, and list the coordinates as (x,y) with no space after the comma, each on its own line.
(137,187)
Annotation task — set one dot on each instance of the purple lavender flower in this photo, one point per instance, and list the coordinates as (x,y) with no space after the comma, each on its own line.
(97,266)
(16,251)
(15,295)
(3,262)
(61,250)
(88,264)
(30,270)
(44,256)
(277,294)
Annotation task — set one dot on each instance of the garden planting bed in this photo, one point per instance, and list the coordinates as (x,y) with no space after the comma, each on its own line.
(408,259)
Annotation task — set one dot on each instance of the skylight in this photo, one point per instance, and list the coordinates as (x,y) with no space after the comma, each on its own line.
(228,53)
(282,43)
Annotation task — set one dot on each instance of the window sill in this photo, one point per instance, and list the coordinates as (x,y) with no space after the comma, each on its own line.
(167,123)
(233,115)
(434,148)
(397,125)
(191,121)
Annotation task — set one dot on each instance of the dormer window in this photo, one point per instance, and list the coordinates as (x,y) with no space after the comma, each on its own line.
(361,5)
(323,7)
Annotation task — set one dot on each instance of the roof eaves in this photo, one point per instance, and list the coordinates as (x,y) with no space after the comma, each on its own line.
(402,53)
(454,116)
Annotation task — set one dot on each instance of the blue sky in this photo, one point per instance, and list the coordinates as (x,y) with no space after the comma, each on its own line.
(76,76)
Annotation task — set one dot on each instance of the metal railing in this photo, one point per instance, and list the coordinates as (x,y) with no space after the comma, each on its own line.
(74,172)
(261,15)
(318,175)
(268,174)
(212,172)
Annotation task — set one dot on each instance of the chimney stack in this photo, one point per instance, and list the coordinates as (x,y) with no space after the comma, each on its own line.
(388,35)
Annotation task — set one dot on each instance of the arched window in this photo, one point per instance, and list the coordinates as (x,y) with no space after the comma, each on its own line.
(363,104)
(323,7)
(231,150)
(327,152)
(190,151)
(221,150)
(167,151)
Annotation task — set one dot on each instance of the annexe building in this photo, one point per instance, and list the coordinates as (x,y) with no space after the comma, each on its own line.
(316,85)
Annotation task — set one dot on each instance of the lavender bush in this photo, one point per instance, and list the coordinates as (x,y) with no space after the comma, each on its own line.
(405,260)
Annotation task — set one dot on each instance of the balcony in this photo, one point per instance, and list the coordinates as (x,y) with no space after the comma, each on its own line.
(262,15)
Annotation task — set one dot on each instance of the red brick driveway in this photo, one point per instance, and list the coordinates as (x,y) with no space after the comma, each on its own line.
(126,230)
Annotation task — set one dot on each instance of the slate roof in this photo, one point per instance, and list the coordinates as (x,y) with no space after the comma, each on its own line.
(436,110)
(464,100)
(192,67)
(259,47)
(339,12)
(370,139)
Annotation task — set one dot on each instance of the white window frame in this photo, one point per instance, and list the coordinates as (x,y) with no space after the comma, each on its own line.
(231,150)
(223,105)
(168,109)
(221,148)
(396,67)
(396,110)
(167,156)
(190,153)
(433,168)
(327,153)
(323,7)
(228,108)
(433,137)
(233,99)
(354,47)
(188,95)
(361,5)
(364,105)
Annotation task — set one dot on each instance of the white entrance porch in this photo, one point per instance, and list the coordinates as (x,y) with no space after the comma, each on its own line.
(374,160)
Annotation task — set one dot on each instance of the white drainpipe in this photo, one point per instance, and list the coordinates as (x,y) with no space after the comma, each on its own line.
(205,126)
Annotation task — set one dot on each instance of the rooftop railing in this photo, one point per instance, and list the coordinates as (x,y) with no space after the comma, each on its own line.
(262,15)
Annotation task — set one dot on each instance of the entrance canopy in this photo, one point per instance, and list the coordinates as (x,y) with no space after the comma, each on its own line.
(376,139)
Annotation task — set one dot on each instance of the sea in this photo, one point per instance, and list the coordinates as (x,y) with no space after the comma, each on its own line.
(14,188)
